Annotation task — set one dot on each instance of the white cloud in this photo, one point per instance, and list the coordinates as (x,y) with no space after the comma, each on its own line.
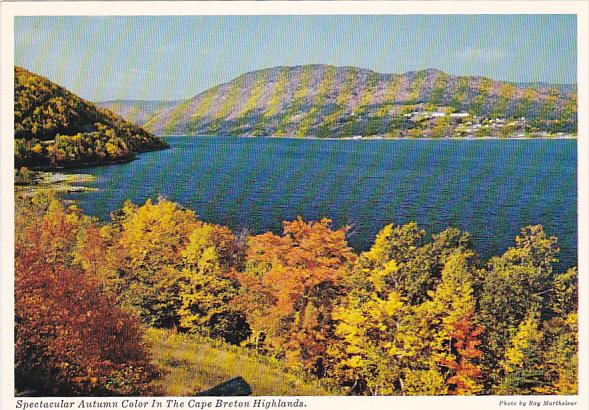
(481,55)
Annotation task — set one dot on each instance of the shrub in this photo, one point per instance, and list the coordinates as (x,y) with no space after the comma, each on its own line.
(70,337)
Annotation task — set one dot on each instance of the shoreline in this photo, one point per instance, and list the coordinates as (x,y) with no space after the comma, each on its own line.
(56,181)
(89,164)
(371,138)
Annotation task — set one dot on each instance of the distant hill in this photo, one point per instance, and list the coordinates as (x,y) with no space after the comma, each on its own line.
(328,101)
(564,88)
(54,127)
(137,111)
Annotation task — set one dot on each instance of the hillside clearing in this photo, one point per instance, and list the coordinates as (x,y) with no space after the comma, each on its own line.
(191,364)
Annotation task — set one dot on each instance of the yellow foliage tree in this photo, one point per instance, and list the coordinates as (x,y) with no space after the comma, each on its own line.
(210,286)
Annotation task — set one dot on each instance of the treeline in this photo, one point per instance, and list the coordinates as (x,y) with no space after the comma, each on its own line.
(411,316)
(54,127)
(94,147)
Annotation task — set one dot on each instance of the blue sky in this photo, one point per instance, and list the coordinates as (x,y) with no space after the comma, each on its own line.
(176,57)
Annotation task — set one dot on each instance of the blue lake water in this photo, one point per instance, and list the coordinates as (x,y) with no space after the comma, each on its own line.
(490,188)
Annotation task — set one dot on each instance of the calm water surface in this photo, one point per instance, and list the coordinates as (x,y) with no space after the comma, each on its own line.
(489,188)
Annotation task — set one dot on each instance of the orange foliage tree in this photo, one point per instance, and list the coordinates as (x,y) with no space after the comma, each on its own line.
(466,378)
(289,286)
(70,337)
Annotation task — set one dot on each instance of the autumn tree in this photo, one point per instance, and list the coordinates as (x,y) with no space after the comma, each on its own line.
(561,336)
(289,286)
(542,355)
(70,338)
(419,263)
(560,348)
(439,328)
(563,298)
(385,344)
(515,283)
(366,318)
(364,354)
(466,375)
(210,285)
(148,246)
(522,367)
(175,270)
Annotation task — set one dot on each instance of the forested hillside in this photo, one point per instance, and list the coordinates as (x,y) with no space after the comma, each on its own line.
(328,101)
(413,315)
(54,127)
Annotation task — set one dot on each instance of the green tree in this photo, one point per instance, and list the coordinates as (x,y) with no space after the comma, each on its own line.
(514,284)
(522,367)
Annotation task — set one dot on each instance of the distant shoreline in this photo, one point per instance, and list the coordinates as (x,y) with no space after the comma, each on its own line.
(370,138)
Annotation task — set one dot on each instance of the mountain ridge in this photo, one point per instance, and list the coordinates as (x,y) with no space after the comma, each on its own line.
(329,101)
(137,111)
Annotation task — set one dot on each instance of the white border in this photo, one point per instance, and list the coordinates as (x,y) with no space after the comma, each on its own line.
(10,10)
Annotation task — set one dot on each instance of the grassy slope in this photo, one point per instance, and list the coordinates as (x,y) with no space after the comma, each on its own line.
(192,364)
